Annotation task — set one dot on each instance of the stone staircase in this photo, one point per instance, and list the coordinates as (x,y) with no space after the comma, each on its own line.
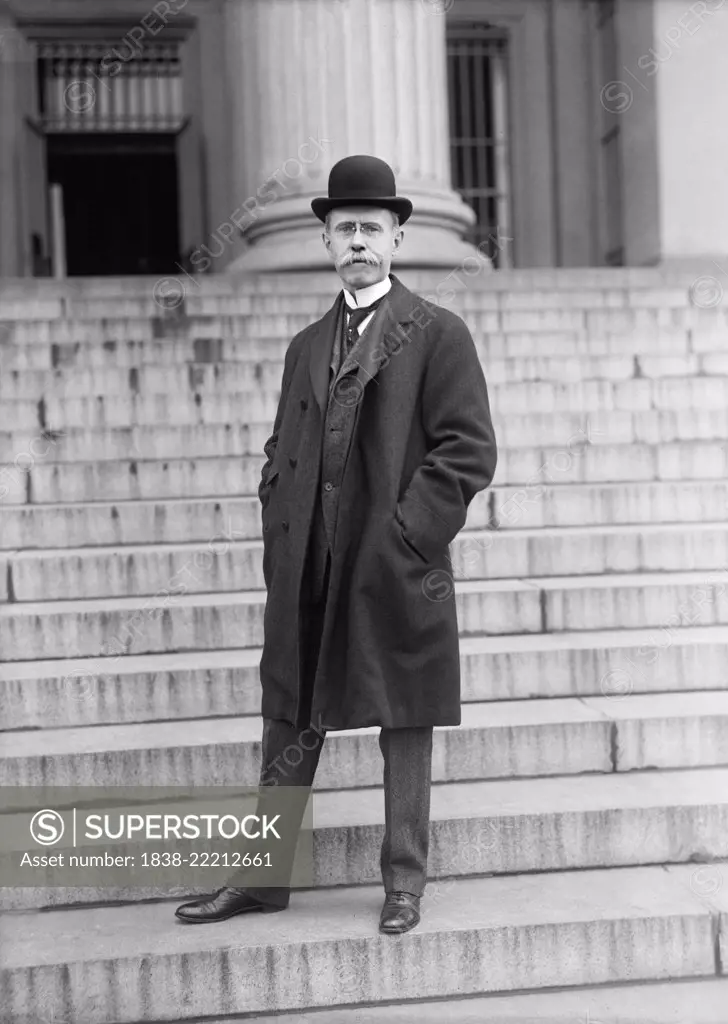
(579,837)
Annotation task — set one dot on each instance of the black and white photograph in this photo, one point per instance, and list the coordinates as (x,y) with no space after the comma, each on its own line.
(363,512)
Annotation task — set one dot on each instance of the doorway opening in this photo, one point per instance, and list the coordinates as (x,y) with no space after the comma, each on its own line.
(120,201)
(111,124)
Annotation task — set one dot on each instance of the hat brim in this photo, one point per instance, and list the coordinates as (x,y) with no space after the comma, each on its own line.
(401,206)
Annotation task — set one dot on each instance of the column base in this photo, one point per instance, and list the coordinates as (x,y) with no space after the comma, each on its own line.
(715,263)
(288,237)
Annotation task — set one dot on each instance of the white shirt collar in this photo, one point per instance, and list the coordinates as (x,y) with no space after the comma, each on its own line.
(366,296)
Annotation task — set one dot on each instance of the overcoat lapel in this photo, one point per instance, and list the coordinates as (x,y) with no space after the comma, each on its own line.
(372,349)
(322,343)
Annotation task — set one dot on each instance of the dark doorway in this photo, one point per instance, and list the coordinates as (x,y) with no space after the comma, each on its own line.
(120,202)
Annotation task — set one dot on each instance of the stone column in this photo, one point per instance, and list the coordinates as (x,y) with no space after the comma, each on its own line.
(311,81)
(11,250)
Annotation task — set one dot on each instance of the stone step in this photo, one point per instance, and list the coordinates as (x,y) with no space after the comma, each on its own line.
(242,437)
(509,309)
(180,520)
(209,684)
(500,827)
(564,505)
(674,1002)
(31,479)
(266,374)
(671,1002)
(158,522)
(149,380)
(538,288)
(198,684)
(676,394)
(52,343)
(112,317)
(505,739)
(658,280)
(222,564)
(135,343)
(484,935)
(176,298)
(171,620)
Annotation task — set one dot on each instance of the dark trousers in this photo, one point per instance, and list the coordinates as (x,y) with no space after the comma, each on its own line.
(407,757)
(407,772)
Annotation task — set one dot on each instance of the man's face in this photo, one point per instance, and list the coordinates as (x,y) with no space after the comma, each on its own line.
(361,241)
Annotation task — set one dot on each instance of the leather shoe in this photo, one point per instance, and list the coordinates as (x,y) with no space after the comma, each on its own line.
(220,906)
(401,911)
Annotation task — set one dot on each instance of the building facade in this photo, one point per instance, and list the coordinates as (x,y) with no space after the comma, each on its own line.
(543,133)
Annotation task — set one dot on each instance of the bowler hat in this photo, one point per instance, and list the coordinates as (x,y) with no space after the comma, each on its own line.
(362,181)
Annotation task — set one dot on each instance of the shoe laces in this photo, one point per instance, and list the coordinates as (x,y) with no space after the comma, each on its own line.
(399,897)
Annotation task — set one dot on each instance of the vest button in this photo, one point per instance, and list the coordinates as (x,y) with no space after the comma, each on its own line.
(328,486)
(284,525)
(304,404)
(292,462)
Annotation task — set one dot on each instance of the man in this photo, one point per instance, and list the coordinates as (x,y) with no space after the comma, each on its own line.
(382,437)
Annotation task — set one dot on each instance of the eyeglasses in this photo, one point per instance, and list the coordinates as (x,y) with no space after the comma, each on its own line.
(347,229)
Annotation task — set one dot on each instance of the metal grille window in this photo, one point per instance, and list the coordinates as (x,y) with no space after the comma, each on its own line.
(93,86)
(477,58)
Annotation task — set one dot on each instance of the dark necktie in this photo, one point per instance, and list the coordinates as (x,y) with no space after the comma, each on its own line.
(356,316)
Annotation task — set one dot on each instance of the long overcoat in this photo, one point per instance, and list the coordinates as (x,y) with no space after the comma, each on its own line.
(422,446)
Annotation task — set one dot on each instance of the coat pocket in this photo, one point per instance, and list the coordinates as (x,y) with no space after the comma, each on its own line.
(399,527)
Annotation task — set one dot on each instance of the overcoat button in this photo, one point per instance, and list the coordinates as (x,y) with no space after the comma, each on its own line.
(265,527)
(292,462)
(284,524)
(328,486)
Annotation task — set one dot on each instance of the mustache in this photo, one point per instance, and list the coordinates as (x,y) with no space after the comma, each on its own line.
(358,257)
